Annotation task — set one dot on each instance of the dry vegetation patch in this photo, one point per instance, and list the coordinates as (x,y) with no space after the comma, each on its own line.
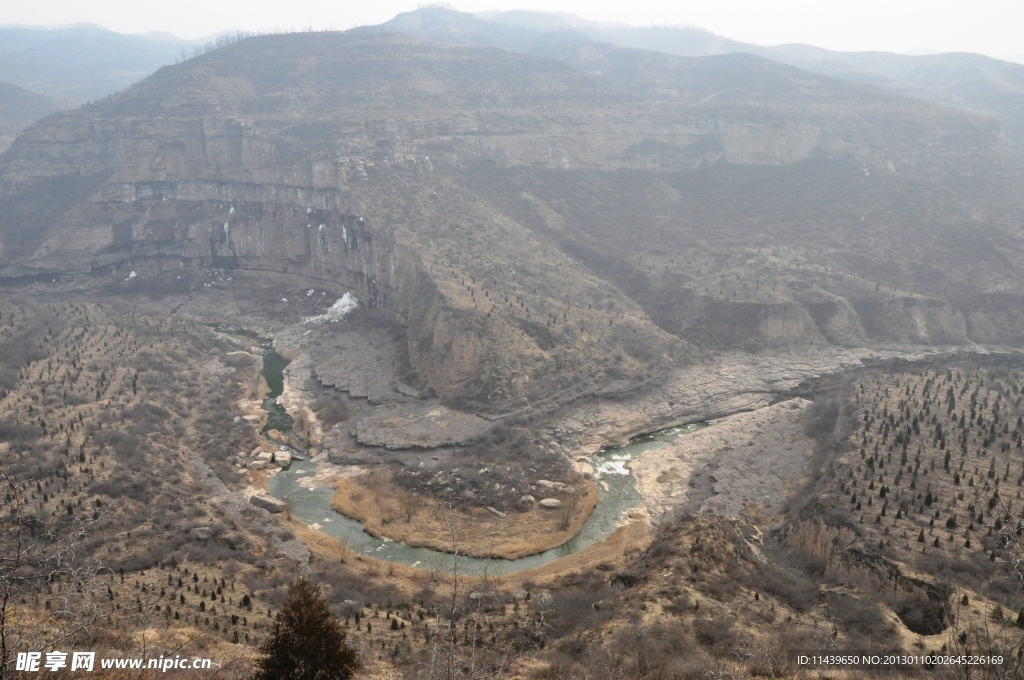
(116,428)
(387,509)
(111,422)
(931,472)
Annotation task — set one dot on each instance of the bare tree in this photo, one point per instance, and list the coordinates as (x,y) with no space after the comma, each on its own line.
(999,633)
(407,501)
(376,484)
(471,655)
(10,567)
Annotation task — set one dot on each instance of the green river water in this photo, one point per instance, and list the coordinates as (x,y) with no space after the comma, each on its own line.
(311,502)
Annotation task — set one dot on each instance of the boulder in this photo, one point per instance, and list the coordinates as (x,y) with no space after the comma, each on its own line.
(239,359)
(265,457)
(520,595)
(255,465)
(584,469)
(351,456)
(550,503)
(269,503)
(278,436)
(199,534)
(547,484)
(526,500)
(283,458)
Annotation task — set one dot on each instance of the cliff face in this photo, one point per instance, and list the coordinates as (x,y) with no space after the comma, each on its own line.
(544,231)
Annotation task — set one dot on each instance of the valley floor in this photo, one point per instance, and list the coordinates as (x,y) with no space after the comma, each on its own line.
(880,512)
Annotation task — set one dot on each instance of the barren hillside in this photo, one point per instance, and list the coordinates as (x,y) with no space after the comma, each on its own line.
(539,226)
(366,307)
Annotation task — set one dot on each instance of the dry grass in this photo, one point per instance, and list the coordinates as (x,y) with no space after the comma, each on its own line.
(407,580)
(611,555)
(389,511)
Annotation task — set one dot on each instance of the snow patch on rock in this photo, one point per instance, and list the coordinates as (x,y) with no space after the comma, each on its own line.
(345,304)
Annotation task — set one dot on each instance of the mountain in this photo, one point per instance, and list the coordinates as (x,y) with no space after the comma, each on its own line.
(543,229)
(82,63)
(46,70)
(535,248)
(969,81)
(19,107)
(681,41)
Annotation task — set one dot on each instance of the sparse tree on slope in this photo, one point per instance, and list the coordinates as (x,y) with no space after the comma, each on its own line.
(306,642)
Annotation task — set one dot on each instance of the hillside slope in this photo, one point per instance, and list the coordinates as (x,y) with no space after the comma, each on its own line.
(19,107)
(545,229)
(81,63)
(969,81)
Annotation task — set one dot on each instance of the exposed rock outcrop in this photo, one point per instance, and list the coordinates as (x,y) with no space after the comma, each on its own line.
(239,359)
(419,426)
(736,382)
(914,320)
(268,503)
(742,464)
(199,534)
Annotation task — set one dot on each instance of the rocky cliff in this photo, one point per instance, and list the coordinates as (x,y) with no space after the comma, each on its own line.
(544,229)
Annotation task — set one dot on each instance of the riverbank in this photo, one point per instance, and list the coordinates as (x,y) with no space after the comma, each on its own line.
(389,511)
(612,555)
(374,515)
(744,465)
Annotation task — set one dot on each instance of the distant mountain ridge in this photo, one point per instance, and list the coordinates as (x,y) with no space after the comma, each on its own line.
(82,63)
(969,81)
(43,70)
(20,107)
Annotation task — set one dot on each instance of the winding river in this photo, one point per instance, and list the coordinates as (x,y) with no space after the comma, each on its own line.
(310,501)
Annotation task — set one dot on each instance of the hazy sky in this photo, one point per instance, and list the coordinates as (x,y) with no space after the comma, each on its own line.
(993,27)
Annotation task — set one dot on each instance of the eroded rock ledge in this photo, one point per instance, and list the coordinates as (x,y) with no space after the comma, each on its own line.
(735,382)
(740,465)
(420,426)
